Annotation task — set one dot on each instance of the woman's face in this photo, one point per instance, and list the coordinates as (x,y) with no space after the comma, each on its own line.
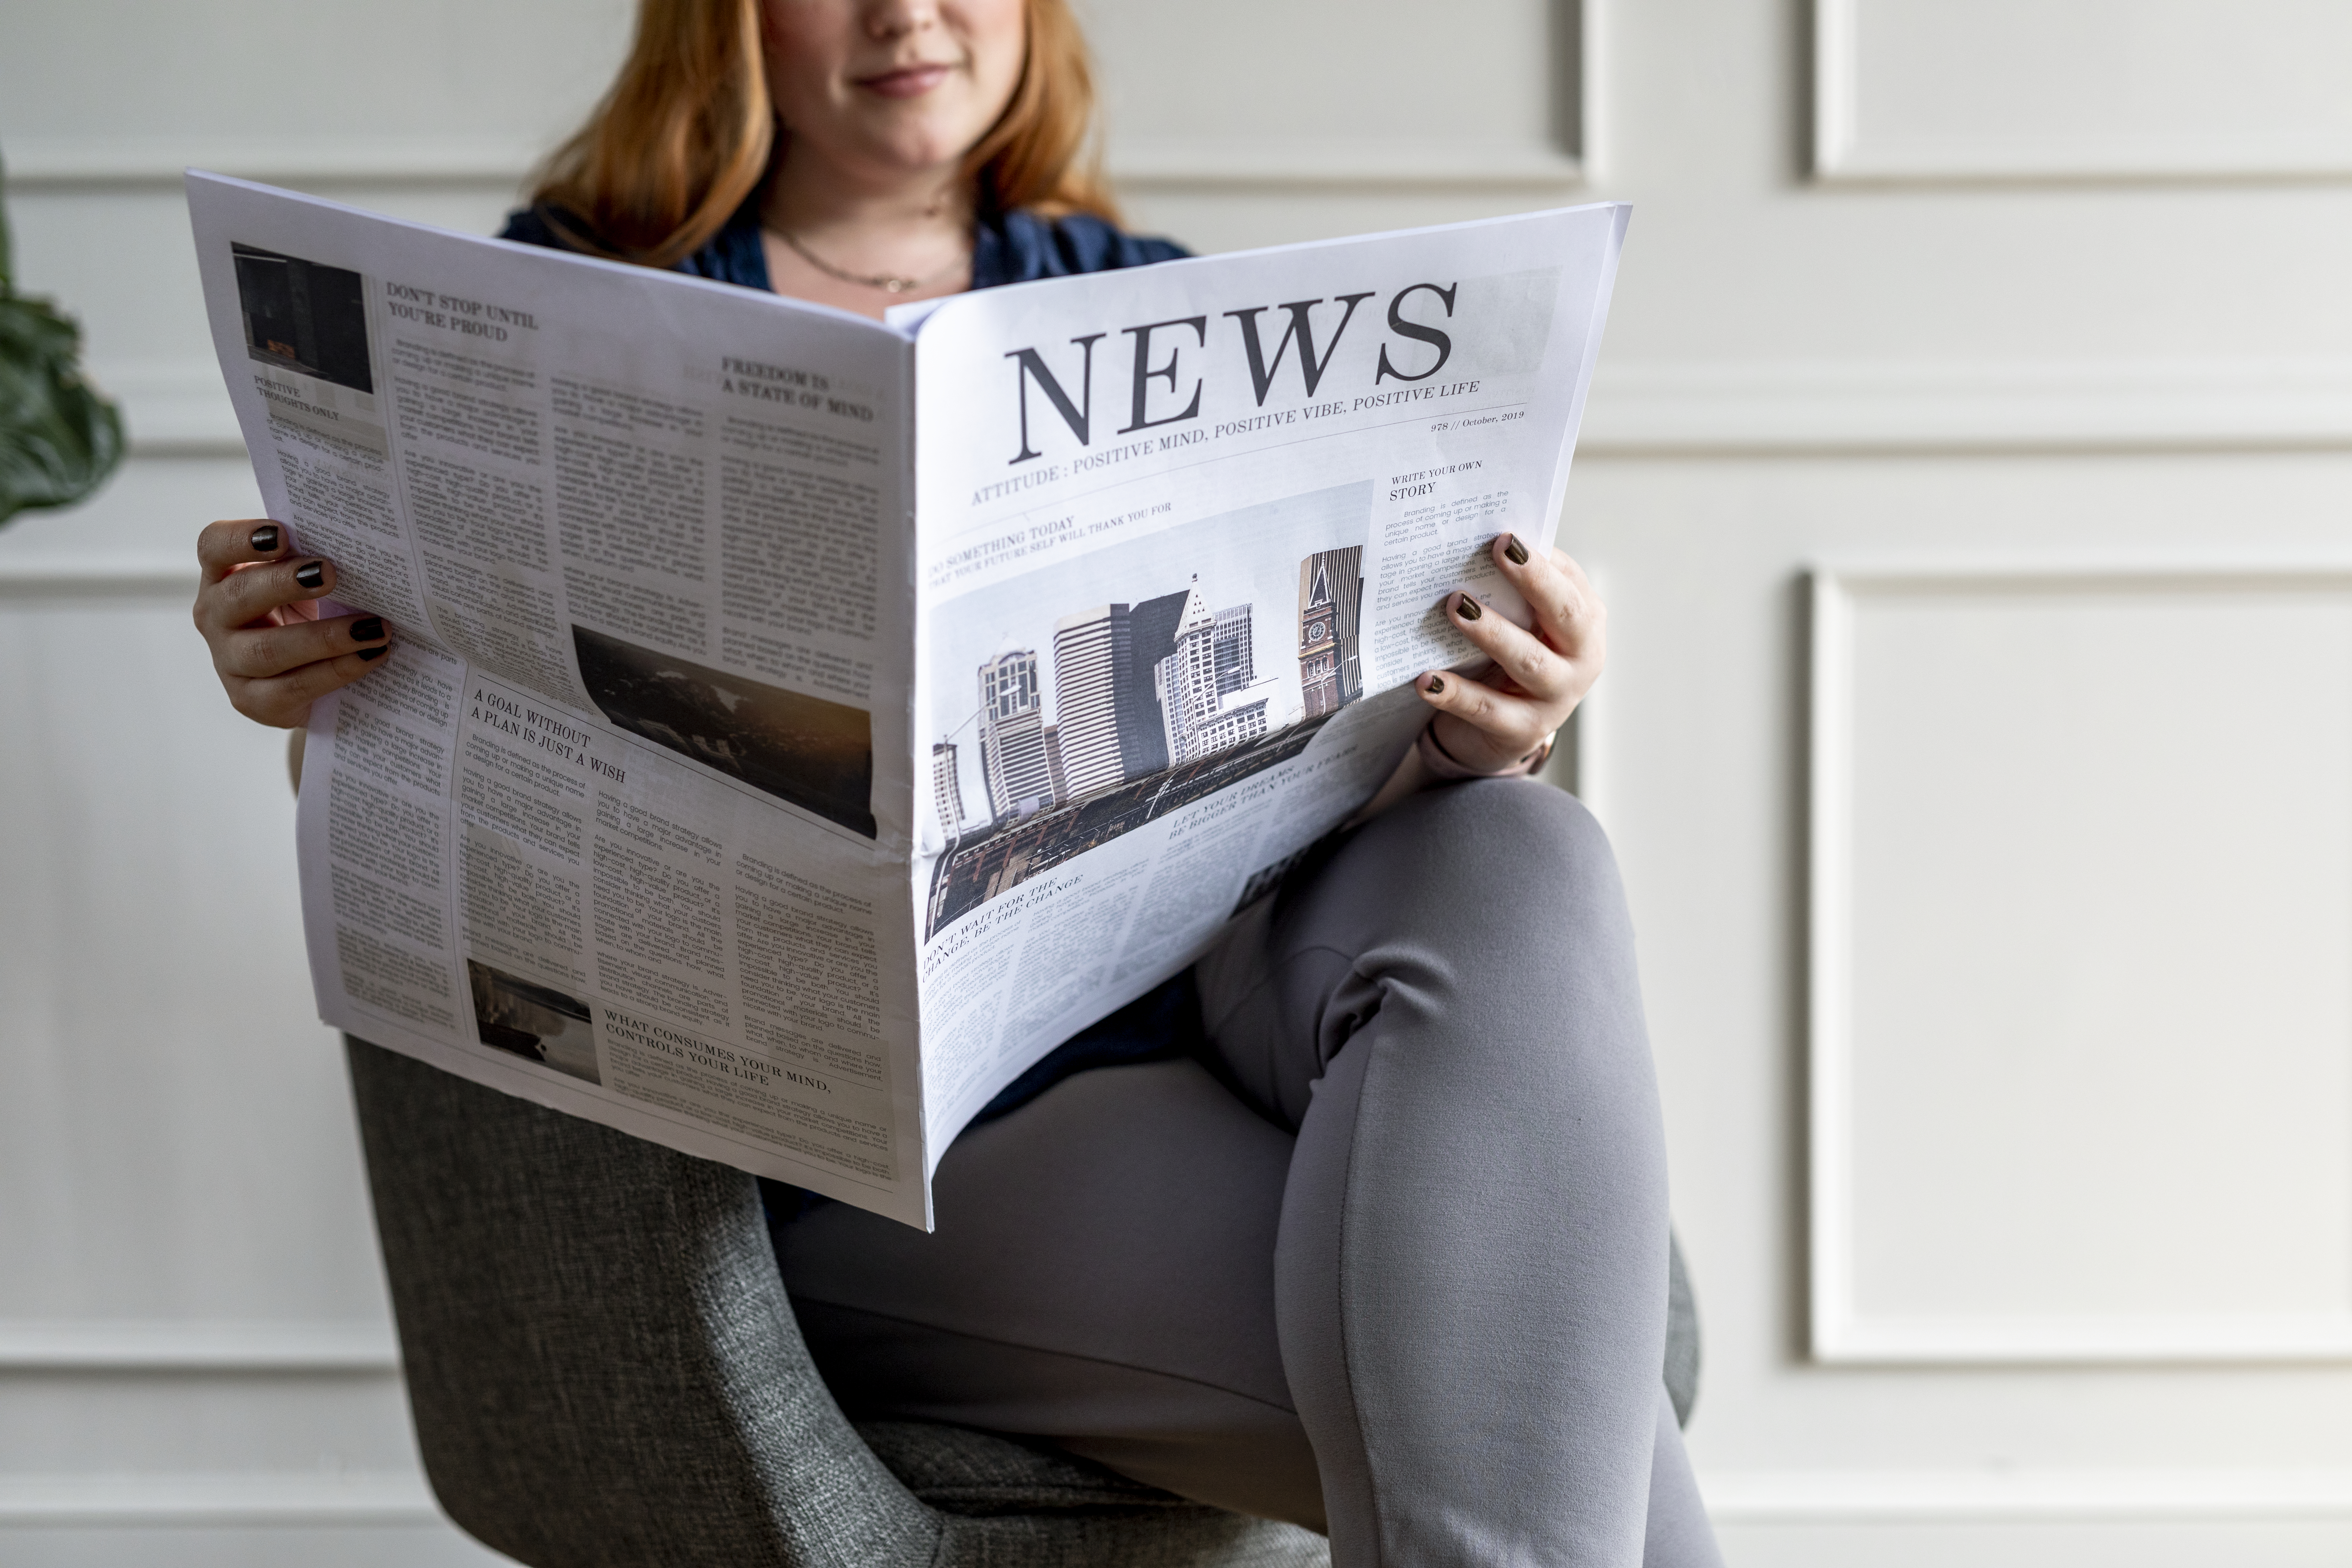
(887,88)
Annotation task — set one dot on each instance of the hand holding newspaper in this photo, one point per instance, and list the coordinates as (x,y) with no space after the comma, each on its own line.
(798,725)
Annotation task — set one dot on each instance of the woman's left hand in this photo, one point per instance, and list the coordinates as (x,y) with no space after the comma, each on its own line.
(1491,720)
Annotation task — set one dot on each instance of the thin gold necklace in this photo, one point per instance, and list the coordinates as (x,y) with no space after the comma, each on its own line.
(888,282)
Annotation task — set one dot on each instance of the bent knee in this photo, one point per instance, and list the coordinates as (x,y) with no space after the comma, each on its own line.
(1512,833)
(1492,864)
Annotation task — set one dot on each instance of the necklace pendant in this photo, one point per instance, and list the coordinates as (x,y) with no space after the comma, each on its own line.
(889,283)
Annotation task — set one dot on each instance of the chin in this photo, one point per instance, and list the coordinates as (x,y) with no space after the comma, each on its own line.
(921,147)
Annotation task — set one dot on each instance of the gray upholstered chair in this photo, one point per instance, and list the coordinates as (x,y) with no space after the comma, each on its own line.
(603,1369)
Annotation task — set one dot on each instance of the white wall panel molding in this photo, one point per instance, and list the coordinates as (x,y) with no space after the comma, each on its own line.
(171,407)
(179,408)
(195,1345)
(1416,166)
(1428,161)
(1503,98)
(1817,407)
(95,576)
(1518,79)
(2061,874)
(217,1501)
(98,166)
(1986,1497)
(2033,91)
(1732,1497)
(1850,1336)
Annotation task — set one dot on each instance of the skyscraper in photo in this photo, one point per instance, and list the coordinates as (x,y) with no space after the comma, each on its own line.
(1240,719)
(1054,771)
(1012,736)
(1228,649)
(1330,601)
(1088,649)
(1201,712)
(947,788)
(1150,637)
(1186,681)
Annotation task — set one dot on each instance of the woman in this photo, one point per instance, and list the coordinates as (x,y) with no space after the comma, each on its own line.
(1362,1224)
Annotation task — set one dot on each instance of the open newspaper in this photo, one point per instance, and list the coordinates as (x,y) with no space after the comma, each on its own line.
(796,725)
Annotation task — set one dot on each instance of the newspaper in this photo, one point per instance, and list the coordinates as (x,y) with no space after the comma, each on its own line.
(796,725)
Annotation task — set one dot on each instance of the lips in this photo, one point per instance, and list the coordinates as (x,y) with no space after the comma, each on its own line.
(906,81)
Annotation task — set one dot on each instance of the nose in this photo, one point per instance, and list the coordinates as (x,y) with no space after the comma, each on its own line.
(890,20)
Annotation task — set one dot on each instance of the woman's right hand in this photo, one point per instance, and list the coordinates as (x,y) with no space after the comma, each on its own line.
(258,611)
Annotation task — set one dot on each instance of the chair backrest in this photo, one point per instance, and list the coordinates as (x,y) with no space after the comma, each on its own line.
(603,1369)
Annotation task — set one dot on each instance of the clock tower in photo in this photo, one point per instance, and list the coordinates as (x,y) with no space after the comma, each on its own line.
(1330,595)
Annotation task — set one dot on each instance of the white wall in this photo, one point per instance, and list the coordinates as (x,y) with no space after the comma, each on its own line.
(1969,471)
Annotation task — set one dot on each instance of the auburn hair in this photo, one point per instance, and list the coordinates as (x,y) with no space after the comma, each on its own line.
(685,134)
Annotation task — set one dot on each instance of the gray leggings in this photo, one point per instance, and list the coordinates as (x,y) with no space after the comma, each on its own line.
(1401,1276)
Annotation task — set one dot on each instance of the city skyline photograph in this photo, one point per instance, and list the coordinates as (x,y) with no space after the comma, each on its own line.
(1088,699)
(1078,644)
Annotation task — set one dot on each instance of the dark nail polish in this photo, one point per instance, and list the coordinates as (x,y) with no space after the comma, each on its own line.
(1467,608)
(373,653)
(265,540)
(314,575)
(1513,551)
(369,630)
(1436,685)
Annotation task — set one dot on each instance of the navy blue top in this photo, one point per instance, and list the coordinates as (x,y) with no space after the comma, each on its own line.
(1007,248)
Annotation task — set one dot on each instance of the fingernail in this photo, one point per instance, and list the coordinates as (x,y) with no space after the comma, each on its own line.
(1436,685)
(265,540)
(369,630)
(1467,608)
(313,575)
(1513,551)
(373,653)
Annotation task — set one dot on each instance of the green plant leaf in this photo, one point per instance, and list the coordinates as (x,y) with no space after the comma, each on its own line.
(58,438)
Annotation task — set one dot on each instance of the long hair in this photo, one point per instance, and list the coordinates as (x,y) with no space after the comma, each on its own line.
(685,134)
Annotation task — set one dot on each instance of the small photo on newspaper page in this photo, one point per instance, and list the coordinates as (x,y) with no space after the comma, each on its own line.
(303,318)
(818,754)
